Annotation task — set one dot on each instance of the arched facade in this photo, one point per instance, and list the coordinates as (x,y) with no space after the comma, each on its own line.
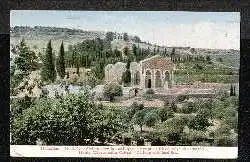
(158,79)
(156,72)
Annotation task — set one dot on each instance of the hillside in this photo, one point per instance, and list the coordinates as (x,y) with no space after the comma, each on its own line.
(37,38)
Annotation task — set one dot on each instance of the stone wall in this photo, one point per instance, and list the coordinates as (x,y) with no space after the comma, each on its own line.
(113,72)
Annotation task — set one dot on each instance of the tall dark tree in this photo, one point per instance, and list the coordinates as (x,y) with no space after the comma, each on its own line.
(234,92)
(134,50)
(158,49)
(126,51)
(231,90)
(48,72)
(61,62)
(126,76)
(77,68)
(172,55)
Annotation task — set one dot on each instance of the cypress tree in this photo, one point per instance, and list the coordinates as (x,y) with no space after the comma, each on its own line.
(48,72)
(231,90)
(61,62)
(126,76)
(234,93)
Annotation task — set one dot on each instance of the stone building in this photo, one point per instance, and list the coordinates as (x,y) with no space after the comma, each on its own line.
(154,72)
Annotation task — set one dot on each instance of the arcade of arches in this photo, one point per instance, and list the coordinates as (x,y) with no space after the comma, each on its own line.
(155,72)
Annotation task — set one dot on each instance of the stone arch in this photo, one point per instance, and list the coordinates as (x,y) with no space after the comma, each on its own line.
(158,81)
(148,79)
(137,78)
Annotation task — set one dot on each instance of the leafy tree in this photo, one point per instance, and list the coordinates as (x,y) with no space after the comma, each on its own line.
(48,72)
(137,39)
(151,118)
(112,90)
(201,122)
(26,59)
(109,36)
(133,109)
(170,130)
(61,62)
(139,118)
(125,36)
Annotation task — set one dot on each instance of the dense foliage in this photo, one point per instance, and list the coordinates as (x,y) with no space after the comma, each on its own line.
(67,120)
(72,119)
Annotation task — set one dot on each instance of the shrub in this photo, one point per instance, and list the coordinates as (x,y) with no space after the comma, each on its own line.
(127,141)
(165,113)
(151,118)
(171,129)
(150,91)
(140,142)
(173,106)
(201,122)
(187,108)
(112,90)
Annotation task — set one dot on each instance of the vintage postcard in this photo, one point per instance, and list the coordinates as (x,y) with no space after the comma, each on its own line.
(134,84)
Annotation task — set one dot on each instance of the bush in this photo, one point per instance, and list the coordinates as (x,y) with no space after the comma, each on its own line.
(150,91)
(149,97)
(151,118)
(133,109)
(127,141)
(190,136)
(165,113)
(201,122)
(140,142)
(171,129)
(173,107)
(112,90)
(182,98)
(187,108)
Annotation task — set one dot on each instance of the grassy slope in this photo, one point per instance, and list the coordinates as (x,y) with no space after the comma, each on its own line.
(215,72)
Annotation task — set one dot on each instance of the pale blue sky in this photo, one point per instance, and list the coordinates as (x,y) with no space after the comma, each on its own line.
(172,28)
